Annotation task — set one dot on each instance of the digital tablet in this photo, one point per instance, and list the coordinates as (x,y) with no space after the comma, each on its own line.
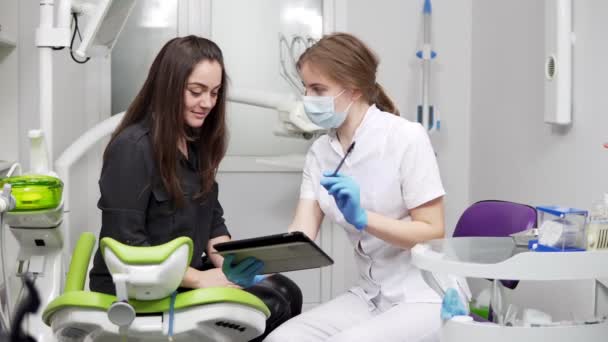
(280,253)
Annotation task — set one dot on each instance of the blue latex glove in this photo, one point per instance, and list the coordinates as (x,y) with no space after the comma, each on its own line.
(245,273)
(452,305)
(346,193)
(258,278)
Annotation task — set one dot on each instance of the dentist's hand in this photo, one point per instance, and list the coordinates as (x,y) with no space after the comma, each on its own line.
(245,273)
(346,193)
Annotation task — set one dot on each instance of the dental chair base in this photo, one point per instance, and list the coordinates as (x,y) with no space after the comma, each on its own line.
(209,323)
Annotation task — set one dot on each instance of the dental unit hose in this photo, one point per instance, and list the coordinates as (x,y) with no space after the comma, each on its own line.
(7,202)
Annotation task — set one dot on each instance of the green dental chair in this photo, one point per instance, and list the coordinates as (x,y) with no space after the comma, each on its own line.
(146,307)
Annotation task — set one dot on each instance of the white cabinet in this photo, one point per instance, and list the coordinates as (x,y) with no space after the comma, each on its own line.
(500,258)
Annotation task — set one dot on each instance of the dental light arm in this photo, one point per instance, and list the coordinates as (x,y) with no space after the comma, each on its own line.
(292,120)
(104,22)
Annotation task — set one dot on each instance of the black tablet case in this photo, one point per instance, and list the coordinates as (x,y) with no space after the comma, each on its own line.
(280,252)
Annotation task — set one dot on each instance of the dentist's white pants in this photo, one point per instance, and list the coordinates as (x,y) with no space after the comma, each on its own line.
(349,318)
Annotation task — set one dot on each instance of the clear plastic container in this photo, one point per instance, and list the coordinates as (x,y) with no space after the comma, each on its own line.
(562,228)
(597,226)
(35,192)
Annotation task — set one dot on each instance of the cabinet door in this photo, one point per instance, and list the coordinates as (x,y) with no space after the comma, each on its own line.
(249,38)
(150,25)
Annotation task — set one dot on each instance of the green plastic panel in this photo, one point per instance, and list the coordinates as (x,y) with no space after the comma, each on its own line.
(34,192)
(102,301)
(148,255)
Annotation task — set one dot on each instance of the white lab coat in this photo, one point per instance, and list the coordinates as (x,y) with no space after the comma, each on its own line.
(394,164)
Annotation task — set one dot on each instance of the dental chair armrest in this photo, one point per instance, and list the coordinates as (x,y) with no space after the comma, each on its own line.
(79,264)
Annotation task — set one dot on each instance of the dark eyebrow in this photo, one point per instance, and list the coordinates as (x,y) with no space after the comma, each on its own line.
(317,85)
(204,86)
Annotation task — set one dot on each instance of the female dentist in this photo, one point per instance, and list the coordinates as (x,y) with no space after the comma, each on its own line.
(388,197)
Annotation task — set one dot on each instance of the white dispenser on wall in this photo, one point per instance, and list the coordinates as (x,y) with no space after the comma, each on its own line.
(558,61)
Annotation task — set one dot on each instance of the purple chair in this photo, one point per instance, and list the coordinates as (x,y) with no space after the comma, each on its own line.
(495,218)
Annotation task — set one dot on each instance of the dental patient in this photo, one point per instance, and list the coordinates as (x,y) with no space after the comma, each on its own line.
(158,180)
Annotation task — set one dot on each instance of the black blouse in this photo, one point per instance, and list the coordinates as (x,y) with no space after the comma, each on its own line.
(137,209)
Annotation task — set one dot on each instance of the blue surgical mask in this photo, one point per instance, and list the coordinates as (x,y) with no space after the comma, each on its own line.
(321,110)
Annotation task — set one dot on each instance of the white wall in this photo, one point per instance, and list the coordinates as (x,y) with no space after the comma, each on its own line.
(251,54)
(394,30)
(8,81)
(150,25)
(515,156)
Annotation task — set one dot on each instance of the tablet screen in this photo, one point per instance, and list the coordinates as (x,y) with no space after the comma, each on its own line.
(280,252)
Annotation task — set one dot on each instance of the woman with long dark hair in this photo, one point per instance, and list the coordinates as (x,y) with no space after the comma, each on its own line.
(158,178)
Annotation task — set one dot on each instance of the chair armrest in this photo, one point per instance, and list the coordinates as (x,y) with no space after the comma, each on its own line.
(80,263)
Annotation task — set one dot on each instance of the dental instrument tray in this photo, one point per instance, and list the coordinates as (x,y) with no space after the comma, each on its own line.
(280,252)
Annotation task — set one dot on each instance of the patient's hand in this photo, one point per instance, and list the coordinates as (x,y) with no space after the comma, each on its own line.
(214,278)
(244,273)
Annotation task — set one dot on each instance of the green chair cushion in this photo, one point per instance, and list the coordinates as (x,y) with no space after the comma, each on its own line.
(102,301)
(148,255)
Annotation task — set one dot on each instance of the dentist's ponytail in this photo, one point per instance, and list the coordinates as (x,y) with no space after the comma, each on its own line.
(384,102)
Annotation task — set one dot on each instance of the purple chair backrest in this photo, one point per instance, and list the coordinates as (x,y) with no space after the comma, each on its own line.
(495,218)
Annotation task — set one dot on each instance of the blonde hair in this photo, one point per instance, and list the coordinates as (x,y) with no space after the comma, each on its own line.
(347,60)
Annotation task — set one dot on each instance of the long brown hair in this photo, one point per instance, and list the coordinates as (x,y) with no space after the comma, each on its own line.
(347,60)
(161,99)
